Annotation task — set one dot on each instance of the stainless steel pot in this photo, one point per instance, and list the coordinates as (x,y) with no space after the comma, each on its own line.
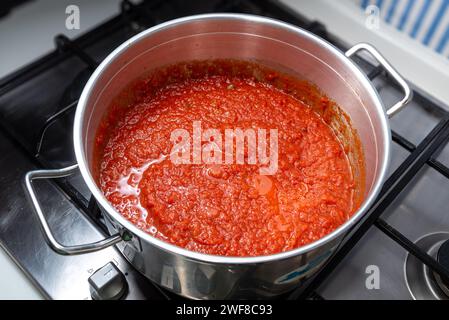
(237,36)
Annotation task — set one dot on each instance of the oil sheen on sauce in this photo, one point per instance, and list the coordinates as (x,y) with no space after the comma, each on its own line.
(225,209)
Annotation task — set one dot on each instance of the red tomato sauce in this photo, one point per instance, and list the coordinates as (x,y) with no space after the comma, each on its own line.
(225,209)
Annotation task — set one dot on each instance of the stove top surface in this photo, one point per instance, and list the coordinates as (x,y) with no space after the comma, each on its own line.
(37,105)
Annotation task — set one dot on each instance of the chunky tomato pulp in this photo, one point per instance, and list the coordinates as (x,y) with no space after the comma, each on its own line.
(226,209)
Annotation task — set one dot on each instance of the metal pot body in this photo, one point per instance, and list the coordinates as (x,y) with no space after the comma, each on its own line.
(199,279)
(235,36)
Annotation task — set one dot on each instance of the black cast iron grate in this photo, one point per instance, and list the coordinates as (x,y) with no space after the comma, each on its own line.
(141,16)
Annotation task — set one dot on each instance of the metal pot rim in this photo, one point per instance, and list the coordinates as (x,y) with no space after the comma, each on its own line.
(81,159)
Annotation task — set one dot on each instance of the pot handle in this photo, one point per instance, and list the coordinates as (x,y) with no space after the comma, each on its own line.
(408,94)
(48,235)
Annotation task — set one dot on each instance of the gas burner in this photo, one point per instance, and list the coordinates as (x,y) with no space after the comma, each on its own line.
(422,282)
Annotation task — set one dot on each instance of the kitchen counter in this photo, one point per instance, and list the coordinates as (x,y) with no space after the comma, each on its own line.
(13,282)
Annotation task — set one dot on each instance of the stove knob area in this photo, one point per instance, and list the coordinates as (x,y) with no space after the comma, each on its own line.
(108,283)
(443,257)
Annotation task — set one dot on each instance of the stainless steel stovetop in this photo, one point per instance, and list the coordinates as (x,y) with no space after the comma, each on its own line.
(36,114)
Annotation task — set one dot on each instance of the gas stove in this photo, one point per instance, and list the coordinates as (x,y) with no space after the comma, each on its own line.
(400,250)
